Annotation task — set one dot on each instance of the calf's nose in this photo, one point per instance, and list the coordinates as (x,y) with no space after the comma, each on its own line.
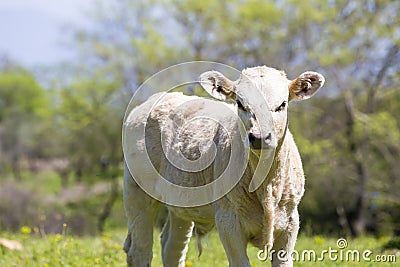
(258,141)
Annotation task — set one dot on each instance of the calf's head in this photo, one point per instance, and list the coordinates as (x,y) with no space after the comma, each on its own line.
(261,96)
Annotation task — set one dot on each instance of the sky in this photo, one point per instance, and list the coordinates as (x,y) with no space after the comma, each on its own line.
(32,32)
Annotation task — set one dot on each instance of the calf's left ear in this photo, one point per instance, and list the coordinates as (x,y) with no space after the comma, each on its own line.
(306,85)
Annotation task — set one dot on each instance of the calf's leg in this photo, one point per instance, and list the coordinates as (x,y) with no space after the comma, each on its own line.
(286,241)
(233,238)
(140,210)
(175,238)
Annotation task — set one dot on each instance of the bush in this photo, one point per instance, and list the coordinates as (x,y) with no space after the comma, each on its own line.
(17,207)
(23,208)
(393,243)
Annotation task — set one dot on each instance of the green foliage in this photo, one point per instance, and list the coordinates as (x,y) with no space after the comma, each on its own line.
(89,122)
(393,243)
(20,93)
(25,115)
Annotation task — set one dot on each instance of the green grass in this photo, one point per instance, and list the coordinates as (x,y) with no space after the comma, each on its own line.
(106,250)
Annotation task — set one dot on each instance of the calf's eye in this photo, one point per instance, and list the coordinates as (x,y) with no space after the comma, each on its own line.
(240,105)
(282,106)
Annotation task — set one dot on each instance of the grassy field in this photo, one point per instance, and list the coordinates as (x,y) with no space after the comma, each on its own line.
(106,250)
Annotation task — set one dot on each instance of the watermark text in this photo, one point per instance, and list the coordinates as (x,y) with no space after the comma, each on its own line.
(340,253)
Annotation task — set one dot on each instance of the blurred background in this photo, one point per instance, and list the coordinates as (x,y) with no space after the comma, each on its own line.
(69,68)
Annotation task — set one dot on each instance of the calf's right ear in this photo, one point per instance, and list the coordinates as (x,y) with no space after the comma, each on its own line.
(218,86)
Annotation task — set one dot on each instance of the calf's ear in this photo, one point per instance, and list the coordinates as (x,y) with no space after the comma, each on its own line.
(218,86)
(306,85)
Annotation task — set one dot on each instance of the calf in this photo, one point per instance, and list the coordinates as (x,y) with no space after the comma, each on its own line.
(261,208)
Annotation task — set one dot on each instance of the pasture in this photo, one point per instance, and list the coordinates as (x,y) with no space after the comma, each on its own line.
(106,250)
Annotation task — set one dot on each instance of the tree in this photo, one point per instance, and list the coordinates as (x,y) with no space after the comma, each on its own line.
(355,44)
(372,70)
(25,112)
(90,123)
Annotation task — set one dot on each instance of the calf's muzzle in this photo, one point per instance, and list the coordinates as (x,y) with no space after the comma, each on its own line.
(259,141)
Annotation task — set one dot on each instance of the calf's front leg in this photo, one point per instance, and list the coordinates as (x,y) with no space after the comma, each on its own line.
(285,241)
(233,238)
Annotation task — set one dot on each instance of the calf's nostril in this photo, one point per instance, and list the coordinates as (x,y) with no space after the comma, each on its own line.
(252,138)
(268,137)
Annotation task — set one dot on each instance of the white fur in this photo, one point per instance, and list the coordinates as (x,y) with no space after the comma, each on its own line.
(266,217)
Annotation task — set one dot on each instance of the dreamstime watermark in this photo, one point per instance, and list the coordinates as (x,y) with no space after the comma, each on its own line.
(340,253)
(141,145)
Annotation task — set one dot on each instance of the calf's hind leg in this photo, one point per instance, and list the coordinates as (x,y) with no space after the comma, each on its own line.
(141,211)
(175,238)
